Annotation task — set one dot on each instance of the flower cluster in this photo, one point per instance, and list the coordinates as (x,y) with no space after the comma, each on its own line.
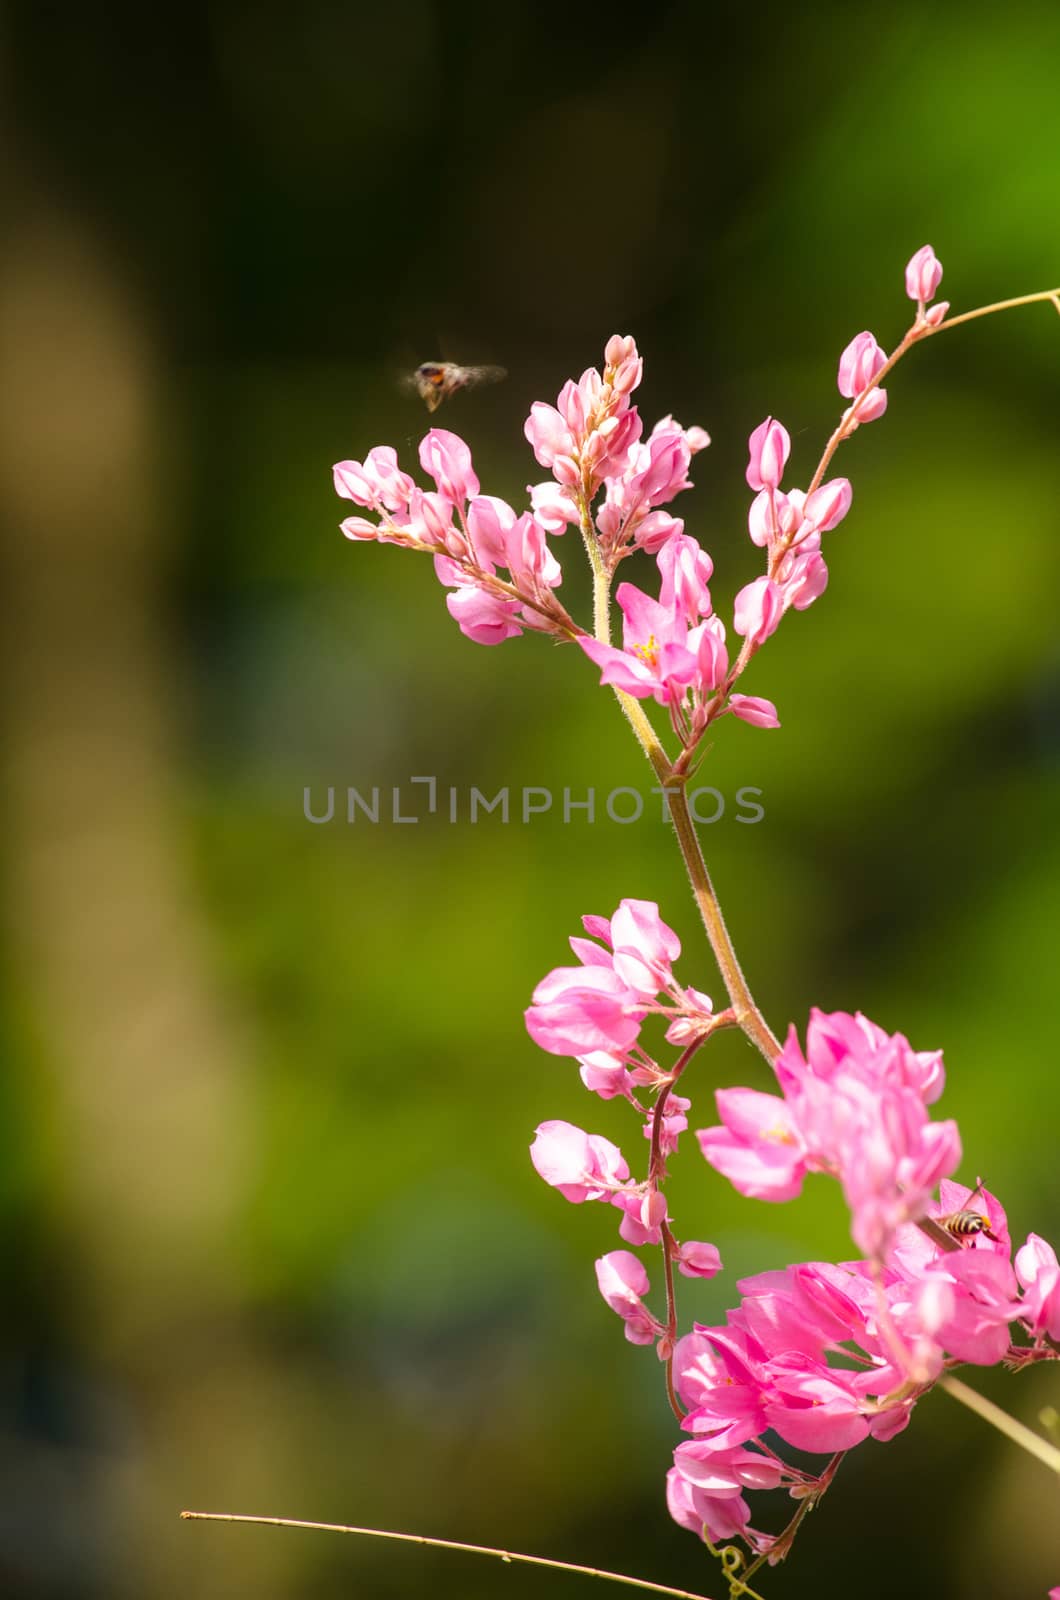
(824,1356)
(473,538)
(854,1106)
(594,1013)
(820,1355)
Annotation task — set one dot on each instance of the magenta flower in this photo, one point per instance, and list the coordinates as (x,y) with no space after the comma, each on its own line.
(577,1010)
(854,1106)
(715,1517)
(812,1406)
(758,1147)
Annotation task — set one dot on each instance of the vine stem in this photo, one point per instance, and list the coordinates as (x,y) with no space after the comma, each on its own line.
(748,1017)
(1018,1432)
(918,332)
(507,1556)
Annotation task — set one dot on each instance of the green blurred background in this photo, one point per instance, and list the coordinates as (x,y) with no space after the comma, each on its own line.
(273,1242)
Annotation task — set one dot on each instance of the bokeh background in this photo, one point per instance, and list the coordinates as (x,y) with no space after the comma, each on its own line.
(272,1239)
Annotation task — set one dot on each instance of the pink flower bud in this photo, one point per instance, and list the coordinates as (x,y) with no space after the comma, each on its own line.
(923,275)
(489,521)
(483,618)
(572,408)
(656,530)
(566,471)
(667,470)
(686,570)
(353,483)
(359,528)
(749,708)
(872,405)
(698,1260)
(807,579)
(547,433)
(937,314)
(448,460)
(859,364)
(435,513)
(758,610)
(617,348)
(769,448)
(553,507)
(623,1281)
(712,658)
(761,524)
(828,505)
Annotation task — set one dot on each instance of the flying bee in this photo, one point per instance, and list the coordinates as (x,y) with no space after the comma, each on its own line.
(435,381)
(968,1223)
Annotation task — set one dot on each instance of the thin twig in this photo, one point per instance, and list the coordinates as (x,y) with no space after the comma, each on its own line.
(1018,1432)
(506,1556)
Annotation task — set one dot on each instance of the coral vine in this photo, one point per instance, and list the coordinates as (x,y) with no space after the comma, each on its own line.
(819,1356)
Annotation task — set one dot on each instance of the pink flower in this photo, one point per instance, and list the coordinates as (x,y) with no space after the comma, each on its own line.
(923,275)
(623,1282)
(725,1472)
(769,446)
(749,708)
(548,434)
(378,482)
(714,1517)
(447,459)
(828,505)
(1039,1275)
(686,570)
(600,1005)
(858,366)
(801,575)
(483,618)
(643,1214)
(605,1074)
(664,472)
(577,1010)
(812,1406)
(719,1373)
(644,947)
(984,1303)
(758,610)
(672,1124)
(582,1166)
(758,1147)
(553,505)
(696,1259)
(655,660)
